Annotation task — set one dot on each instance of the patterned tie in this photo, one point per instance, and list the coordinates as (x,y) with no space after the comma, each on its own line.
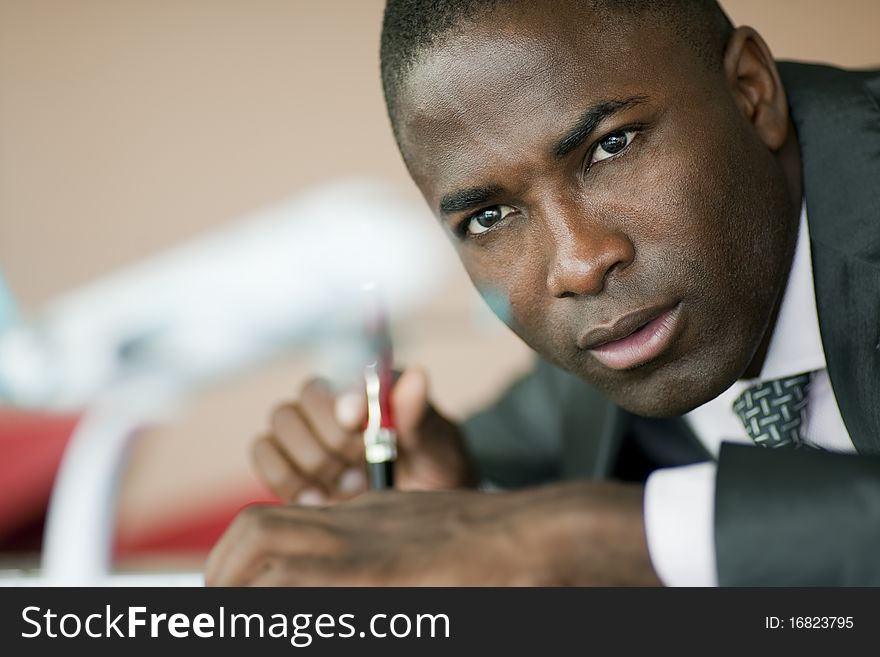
(772,412)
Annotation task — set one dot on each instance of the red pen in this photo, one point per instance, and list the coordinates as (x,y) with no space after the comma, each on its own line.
(380,434)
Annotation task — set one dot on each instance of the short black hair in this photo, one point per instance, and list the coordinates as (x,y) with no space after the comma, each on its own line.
(411,27)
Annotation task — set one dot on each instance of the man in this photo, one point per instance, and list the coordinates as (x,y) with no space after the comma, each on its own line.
(689,230)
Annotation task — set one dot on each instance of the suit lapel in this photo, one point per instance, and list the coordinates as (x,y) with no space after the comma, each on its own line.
(592,454)
(837,118)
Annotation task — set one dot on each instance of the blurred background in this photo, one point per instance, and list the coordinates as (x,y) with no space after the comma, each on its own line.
(134,129)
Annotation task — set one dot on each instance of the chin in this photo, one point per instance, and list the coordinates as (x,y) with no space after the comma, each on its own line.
(668,394)
(651,405)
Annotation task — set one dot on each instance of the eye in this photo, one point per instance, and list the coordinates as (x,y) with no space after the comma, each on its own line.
(485,219)
(611,145)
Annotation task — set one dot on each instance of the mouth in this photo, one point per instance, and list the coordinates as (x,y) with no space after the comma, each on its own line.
(634,339)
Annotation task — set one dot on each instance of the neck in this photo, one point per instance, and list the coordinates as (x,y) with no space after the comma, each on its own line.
(790,160)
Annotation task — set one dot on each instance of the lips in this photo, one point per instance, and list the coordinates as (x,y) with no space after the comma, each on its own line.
(634,339)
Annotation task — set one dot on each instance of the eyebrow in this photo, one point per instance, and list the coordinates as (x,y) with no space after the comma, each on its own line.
(588,121)
(473,197)
(466,199)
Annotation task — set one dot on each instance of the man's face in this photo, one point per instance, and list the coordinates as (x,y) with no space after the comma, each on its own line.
(598,177)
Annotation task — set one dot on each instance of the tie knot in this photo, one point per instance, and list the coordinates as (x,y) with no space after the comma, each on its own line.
(773,411)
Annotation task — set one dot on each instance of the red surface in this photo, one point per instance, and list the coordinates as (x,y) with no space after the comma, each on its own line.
(31,448)
(194,534)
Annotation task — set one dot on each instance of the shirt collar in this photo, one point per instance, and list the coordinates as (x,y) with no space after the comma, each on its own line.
(796,345)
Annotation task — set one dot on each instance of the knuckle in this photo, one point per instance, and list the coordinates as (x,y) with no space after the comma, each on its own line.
(285,486)
(261,450)
(315,390)
(250,515)
(353,451)
(280,415)
(317,463)
(337,438)
(258,520)
(258,449)
(248,525)
(265,565)
(274,470)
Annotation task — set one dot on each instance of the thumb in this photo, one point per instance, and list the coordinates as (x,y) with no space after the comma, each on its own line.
(351,410)
(409,399)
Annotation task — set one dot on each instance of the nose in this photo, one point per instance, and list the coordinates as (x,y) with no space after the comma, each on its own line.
(584,254)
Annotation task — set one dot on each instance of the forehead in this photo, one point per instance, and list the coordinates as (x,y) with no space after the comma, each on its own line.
(505,86)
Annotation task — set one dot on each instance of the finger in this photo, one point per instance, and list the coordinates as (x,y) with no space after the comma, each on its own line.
(296,438)
(236,557)
(277,471)
(315,572)
(264,541)
(351,409)
(317,494)
(318,405)
(257,539)
(282,476)
(352,482)
(273,575)
(409,398)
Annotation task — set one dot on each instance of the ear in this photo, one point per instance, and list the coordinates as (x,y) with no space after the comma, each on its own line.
(752,78)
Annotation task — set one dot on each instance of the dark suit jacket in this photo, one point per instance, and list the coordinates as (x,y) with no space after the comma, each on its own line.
(782,517)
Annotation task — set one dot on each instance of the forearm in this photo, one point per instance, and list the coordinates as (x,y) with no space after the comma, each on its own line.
(577,533)
(585,533)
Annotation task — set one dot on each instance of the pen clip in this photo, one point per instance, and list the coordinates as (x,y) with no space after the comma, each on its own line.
(380,440)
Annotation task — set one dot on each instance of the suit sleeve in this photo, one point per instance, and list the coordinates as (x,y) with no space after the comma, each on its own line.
(547,426)
(797,517)
(516,441)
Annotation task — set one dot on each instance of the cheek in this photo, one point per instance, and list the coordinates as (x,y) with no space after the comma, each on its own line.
(682,201)
(512,284)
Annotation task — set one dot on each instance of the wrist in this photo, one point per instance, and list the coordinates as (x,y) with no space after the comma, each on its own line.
(586,533)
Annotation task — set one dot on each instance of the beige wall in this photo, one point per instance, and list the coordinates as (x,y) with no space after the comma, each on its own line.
(842,32)
(126,126)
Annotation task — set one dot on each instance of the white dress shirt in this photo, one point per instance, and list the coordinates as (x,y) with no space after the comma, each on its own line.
(679,502)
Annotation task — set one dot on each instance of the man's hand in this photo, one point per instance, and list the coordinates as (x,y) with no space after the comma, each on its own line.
(314,452)
(577,533)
